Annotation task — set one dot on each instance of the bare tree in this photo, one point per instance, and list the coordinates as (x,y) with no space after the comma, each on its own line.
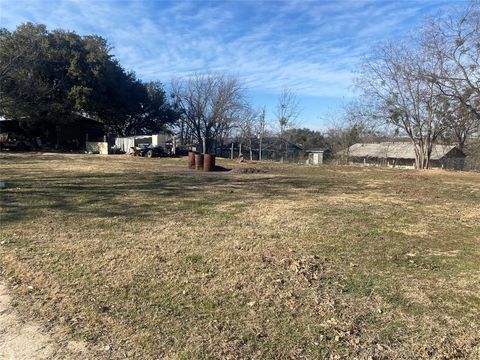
(348,127)
(393,80)
(461,123)
(339,137)
(247,125)
(210,104)
(287,112)
(453,41)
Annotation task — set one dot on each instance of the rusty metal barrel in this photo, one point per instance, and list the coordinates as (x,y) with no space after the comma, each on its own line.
(191,160)
(209,162)
(198,161)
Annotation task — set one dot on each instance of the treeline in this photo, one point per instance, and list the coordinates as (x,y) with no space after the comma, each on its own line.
(427,87)
(49,78)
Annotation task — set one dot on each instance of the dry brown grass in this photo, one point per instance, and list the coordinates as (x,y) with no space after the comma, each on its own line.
(156,261)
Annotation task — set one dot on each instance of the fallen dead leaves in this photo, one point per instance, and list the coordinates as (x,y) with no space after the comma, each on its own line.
(296,262)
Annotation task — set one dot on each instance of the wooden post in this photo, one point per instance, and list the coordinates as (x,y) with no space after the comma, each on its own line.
(239,149)
(231,152)
(174,144)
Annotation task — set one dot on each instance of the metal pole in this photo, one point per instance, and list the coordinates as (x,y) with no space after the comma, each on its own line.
(260,150)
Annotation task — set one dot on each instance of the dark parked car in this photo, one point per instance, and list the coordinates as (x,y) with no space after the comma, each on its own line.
(150,151)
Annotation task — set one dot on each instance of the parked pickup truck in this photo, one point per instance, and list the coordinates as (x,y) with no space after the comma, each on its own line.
(147,150)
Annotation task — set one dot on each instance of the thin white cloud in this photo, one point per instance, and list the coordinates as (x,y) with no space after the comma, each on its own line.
(311,46)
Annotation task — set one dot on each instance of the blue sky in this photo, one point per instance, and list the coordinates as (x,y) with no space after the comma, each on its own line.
(312,47)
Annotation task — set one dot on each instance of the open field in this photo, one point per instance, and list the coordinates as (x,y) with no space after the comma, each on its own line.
(142,258)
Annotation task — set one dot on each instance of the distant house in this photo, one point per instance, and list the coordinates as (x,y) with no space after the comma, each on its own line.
(402,155)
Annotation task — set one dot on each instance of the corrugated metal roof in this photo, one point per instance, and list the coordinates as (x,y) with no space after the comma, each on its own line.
(395,150)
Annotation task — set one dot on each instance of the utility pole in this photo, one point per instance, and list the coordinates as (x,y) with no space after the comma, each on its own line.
(261,133)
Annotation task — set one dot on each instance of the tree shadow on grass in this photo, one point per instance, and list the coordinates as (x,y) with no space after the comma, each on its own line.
(145,194)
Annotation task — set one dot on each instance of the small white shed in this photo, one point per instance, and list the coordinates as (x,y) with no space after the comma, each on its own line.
(315,157)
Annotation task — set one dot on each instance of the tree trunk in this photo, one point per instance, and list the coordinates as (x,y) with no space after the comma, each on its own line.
(182,132)
(461,138)
(422,156)
(418,157)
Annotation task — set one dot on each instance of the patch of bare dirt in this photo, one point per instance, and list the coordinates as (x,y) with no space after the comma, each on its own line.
(20,339)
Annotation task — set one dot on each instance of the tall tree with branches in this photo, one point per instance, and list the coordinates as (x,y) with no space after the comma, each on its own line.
(287,112)
(210,105)
(247,126)
(393,80)
(452,40)
(51,78)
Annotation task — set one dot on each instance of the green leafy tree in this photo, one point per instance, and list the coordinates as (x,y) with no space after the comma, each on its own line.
(50,78)
(306,137)
(53,76)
